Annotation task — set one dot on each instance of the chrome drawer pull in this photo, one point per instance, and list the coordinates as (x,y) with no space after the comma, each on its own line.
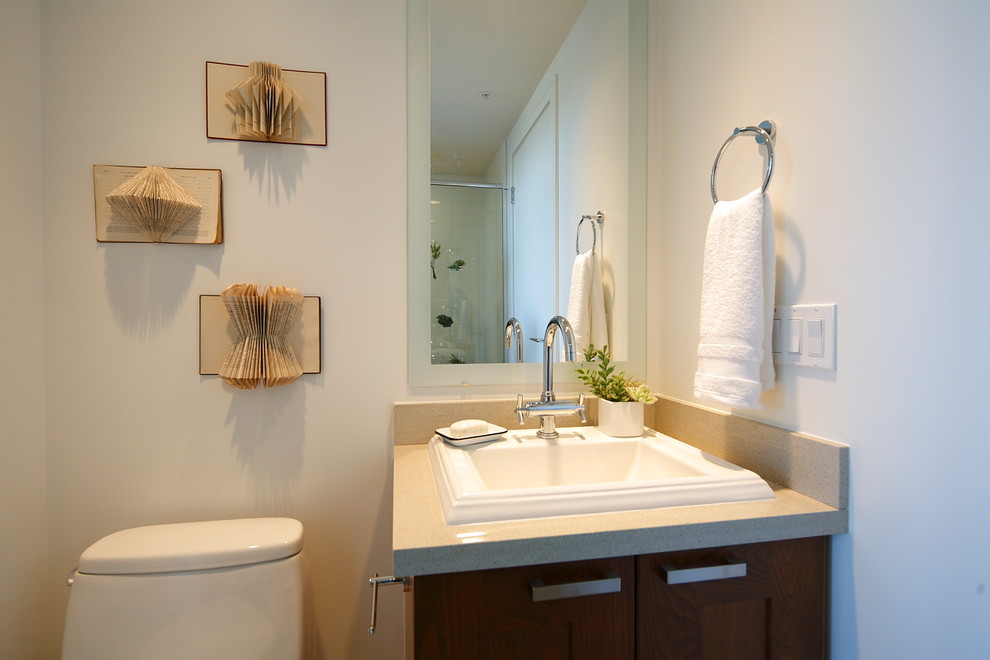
(610,584)
(730,569)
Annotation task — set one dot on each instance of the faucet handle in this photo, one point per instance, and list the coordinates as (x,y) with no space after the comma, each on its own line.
(584,419)
(520,409)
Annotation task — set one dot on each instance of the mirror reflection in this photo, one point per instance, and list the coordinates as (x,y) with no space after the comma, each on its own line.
(466,263)
(532,128)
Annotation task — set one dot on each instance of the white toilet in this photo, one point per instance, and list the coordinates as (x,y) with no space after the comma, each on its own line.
(214,590)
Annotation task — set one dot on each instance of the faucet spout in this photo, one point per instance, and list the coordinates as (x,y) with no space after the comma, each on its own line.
(561,324)
(547,408)
(513,329)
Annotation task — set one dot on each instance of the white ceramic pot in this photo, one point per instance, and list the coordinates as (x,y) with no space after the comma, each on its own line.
(621,419)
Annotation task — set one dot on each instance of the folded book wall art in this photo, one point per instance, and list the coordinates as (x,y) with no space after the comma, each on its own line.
(157,204)
(259,335)
(262,102)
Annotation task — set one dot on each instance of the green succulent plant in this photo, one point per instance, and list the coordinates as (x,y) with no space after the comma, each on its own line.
(434,255)
(607,383)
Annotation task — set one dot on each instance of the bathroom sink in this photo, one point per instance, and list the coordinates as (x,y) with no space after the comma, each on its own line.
(582,471)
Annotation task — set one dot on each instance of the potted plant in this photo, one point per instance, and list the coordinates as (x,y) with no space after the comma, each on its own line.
(621,398)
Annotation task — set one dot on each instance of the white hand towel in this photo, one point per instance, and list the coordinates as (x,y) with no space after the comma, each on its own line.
(735,362)
(586,305)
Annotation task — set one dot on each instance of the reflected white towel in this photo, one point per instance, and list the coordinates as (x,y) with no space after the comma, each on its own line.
(735,362)
(586,305)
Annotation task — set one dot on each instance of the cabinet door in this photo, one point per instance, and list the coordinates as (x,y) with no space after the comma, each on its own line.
(776,610)
(525,612)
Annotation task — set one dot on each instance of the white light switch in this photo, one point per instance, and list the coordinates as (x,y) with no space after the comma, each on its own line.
(804,336)
(816,338)
(794,335)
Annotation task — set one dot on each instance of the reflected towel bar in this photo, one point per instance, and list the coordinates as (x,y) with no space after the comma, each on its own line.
(597,221)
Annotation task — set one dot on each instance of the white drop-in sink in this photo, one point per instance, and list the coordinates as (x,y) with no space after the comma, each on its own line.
(582,471)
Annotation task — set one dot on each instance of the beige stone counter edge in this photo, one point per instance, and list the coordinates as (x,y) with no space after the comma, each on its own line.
(424,544)
(546,550)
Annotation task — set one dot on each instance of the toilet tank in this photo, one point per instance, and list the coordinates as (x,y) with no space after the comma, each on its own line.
(215,590)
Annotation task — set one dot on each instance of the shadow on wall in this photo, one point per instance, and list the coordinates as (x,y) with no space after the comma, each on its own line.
(268,435)
(843,614)
(791,272)
(276,168)
(146,283)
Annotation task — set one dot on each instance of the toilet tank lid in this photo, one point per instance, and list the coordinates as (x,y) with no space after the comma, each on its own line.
(193,546)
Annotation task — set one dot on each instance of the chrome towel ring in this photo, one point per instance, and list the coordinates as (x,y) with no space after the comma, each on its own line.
(765,134)
(596,222)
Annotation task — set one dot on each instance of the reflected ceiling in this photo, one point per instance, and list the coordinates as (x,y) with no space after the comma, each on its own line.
(502,47)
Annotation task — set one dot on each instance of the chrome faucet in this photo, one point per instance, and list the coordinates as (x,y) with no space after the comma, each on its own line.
(513,328)
(548,408)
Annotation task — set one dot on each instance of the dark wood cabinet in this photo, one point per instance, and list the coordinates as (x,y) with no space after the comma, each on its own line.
(497,615)
(647,607)
(775,610)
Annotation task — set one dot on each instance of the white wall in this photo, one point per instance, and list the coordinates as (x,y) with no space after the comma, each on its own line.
(136,436)
(23,501)
(880,207)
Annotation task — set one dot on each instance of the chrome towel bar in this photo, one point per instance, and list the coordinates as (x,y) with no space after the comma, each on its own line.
(765,133)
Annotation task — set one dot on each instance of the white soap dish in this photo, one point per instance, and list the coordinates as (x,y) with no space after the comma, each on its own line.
(493,433)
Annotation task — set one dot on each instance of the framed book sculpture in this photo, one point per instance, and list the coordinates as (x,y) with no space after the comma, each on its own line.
(157,204)
(252,336)
(262,102)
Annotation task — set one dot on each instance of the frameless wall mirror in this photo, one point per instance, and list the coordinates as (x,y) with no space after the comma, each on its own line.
(523,117)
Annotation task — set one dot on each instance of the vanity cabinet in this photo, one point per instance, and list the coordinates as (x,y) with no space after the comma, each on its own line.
(693,605)
(776,610)
(527,612)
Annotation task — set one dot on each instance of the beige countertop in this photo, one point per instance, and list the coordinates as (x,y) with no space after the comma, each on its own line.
(424,544)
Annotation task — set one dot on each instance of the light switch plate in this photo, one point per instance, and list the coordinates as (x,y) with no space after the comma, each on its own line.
(811,336)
